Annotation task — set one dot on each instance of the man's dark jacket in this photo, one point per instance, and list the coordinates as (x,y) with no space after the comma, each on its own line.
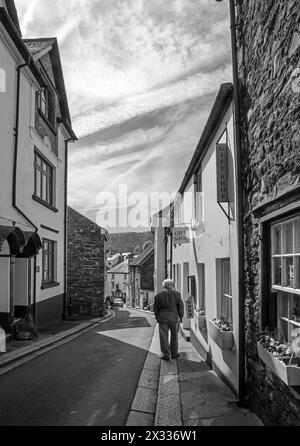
(168,306)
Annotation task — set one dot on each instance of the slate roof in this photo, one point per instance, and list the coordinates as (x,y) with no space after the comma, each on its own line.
(34,46)
(121,268)
(143,256)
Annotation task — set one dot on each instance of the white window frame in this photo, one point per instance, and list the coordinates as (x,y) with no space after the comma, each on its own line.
(287,296)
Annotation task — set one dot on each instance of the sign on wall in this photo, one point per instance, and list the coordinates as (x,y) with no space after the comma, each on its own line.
(180,236)
(222,173)
(189,307)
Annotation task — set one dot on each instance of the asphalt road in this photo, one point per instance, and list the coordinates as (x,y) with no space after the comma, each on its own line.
(90,381)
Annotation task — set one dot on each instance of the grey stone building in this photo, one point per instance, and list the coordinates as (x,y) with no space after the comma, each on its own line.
(268,63)
(85,265)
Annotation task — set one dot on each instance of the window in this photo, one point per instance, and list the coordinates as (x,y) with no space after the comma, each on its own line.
(113,285)
(285,265)
(49,261)
(112,277)
(125,276)
(199,197)
(201,304)
(43,179)
(225,308)
(2,81)
(192,288)
(43,101)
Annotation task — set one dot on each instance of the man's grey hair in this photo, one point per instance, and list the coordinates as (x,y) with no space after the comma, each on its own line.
(168,284)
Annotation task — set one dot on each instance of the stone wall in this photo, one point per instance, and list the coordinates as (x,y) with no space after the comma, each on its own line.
(268,57)
(86,265)
(147,271)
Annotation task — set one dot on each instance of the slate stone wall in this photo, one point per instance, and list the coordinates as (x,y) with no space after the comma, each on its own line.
(269,70)
(85,265)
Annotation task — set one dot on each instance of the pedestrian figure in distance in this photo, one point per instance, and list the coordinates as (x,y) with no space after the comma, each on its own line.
(168,310)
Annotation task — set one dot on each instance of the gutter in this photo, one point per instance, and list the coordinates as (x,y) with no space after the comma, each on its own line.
(240,204)
(15,167)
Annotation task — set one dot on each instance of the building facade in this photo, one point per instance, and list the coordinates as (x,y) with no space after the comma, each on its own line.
(118,281)
(160,226)
(35,127)
(269,74)
(205,250)
(85,265)
(141,279)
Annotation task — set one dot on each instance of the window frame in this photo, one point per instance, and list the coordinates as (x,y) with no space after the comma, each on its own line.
(224,289)
(52,261)
(45,174)
(43,103)
(285,298)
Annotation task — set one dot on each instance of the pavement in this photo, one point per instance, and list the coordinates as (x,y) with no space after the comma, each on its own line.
(182,392)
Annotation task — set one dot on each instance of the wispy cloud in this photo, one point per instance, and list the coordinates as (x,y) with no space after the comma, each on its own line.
(141,76)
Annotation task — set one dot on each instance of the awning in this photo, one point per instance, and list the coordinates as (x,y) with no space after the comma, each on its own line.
(24,243)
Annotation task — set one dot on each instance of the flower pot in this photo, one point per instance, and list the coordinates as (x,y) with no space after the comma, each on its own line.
(289,374)
(24,335)
(224,339)
(200,320)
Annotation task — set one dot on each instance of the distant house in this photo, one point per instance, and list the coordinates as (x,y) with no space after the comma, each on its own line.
(113,260)
(85,265)
(141,279)
(117,281)
(161,223)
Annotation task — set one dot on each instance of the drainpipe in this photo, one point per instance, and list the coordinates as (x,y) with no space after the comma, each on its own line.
(67,305)
(240,203)
(15,168)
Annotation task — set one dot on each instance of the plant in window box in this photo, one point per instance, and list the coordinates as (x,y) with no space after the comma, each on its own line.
(201,318)
(221,332)
(295,314)
(281,357)
(24,329)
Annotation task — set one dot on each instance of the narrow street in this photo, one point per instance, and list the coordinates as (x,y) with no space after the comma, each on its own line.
(90,381)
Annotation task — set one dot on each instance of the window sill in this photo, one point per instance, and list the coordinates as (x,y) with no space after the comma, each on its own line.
(44,203)
(45,286)
(47,121)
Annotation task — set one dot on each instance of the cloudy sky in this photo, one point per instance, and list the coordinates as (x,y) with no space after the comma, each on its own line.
(141,78)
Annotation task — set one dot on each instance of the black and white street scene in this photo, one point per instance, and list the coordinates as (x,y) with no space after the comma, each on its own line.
(149,215)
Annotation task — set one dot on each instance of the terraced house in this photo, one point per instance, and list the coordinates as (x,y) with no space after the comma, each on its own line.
(35,129)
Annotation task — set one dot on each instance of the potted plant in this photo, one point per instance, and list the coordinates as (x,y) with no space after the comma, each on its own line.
(201,318)
(281,357)
(25,328)
(221,332)
(295,314)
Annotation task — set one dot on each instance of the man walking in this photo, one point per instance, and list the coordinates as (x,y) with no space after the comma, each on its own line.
(168,310)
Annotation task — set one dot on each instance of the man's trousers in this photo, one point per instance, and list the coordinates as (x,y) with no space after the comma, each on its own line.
(168,349)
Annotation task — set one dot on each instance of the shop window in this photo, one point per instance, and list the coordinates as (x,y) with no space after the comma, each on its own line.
(49,261)
(285,274)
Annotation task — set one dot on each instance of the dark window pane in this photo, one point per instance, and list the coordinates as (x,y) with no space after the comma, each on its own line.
(277,271)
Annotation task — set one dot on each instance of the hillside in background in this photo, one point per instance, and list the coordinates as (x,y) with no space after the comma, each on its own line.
(128,241)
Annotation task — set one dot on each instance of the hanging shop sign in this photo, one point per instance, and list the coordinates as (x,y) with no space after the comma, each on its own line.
(189,307)
(180,236)
(222,173)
